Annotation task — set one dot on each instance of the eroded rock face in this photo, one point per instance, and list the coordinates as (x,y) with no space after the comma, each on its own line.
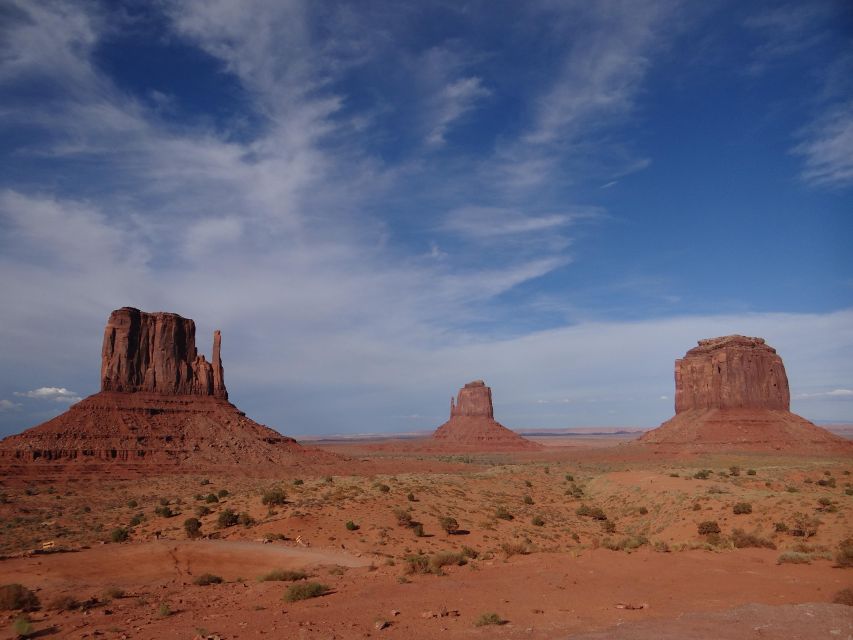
(731,372)
(474,399)
(731,393)
(156,353)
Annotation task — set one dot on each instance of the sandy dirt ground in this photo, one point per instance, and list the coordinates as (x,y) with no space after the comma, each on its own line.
(577,540)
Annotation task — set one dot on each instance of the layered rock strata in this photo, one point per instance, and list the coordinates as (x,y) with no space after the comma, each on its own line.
(161,402)
(472,424)
(731,393)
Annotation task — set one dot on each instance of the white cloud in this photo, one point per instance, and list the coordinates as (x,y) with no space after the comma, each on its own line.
(452,102)
(54,394)
(8,405)
(828,148)
(835,393)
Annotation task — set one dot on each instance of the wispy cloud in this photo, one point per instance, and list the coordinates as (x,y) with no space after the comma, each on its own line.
(846,394)
(827,149)
(8,405)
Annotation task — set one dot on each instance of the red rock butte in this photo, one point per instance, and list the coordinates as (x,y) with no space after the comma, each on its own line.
(161,403)
(731,393)
(472,424)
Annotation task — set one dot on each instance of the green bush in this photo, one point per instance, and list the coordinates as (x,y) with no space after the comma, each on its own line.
(227,518)
(207,578)
(351,526)
(119,534)
(751,472)
(17,597)
(164,511)
(192,526)
(305,590)
(780,527)
(222,493)
(274,496)
(201,511)
(132,504)
(137,519)
(22,627)
(210,498)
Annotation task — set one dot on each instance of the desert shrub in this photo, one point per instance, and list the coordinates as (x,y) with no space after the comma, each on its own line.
(780,527)
(164,502)
(743,540)
(468,552)
(503,514)
(198,497)
(845,596)
(844,557)
(274,496)
(794,557)
(596,513)
(210,498)
(207,578)
(750,472)
(201,511)
(22,627)
(515,548)
(164,511)
(805,526)
(245,519)
(132,504)
(697,506)
(137,519)
(734,471)
(351,526)
(570,477)
(708,527)
(164,610)
(298,482)
(204,482)
(64,603)
(113,593)
(527,500)
(489,619)
(305,590)
(383,488)
(418,529)
(643,511)
(283,575)
(119,534)
(227,518)
(222,493)
(450,525)
(702,474)
(674,475)
(827,482)
(575,491)
(411,497)
(17,597)
(628,543)
(193,527)
(792,489)
(537,521)
(404,518)
(417,563)
(444,559)
(742,508)
(608,526)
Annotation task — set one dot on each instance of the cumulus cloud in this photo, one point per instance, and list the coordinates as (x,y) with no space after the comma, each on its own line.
(54,394)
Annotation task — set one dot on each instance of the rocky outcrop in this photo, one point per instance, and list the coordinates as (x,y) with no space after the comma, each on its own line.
(472,425)
(731,393)
(156,353)
(160,404)
(732,372)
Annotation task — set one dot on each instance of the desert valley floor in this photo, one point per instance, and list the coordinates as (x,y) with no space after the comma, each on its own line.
(589,538)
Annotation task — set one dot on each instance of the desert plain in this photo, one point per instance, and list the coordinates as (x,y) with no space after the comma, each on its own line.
(590,536)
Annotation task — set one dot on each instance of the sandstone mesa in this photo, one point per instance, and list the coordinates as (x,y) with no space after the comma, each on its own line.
(731,393)
(161,403)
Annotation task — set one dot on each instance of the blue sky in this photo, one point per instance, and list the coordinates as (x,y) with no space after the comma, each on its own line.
(377,202)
